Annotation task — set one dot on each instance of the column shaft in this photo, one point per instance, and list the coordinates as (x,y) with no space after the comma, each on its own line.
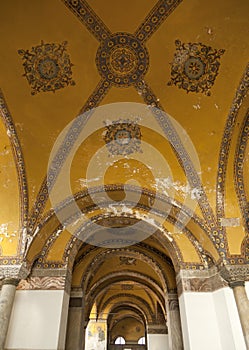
(243,309)
(174,324)
(6,303)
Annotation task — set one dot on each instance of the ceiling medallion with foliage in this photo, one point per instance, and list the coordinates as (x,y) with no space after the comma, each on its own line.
(123,137)
(195,67)
(122,59)
(47,67)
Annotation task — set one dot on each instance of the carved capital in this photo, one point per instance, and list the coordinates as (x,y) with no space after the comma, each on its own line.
(15,271)
(235,275)
(173,305)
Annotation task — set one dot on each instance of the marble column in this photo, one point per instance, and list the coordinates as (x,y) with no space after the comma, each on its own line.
(242,302)
(6,303)
(75,325)
(174,323)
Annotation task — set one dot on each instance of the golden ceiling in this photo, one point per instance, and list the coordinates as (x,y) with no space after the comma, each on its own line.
(171,78)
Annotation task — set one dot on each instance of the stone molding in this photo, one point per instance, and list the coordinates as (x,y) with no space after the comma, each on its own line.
(237,284)
(199,281)
(53,272)
(76,293)
(157,329)
(10,281)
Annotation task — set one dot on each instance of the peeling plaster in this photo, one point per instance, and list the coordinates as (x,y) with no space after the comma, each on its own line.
(4,228)
(84,182)
(230,222)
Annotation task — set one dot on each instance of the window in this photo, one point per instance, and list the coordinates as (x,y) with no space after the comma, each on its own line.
(119,340)
(141,341)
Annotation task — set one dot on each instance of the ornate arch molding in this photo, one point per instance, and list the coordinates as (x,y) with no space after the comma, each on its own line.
(152,294)
(140,302)
(20,168)
(245,248)
(226,141)
(124,276)
(82,199)
(127,252)
(239,170)
(124,220)
(135,307)
(85,202)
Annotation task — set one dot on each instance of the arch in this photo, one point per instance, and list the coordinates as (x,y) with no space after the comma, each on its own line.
(54,226)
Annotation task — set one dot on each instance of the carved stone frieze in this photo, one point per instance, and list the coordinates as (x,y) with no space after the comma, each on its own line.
(199,281)
(42,283)
(47,279)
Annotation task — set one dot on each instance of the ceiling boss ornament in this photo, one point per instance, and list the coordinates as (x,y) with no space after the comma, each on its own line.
(123,137)
(122,59)
(47,67)
(195,67)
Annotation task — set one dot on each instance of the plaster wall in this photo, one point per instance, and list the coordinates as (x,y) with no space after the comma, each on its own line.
(38,320)
(211,321)
(158,341)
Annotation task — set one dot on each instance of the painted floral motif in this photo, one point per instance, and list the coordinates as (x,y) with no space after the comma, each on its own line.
(123,137)
(47,67)
(195,67)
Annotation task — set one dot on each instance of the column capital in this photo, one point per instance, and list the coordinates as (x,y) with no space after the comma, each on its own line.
(173,304)
(172,295)
(235,275)
(15,271)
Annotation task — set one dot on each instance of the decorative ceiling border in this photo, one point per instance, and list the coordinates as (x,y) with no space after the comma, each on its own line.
(226,142)
(20,168)
(157,15)
(239,169)
(63,151)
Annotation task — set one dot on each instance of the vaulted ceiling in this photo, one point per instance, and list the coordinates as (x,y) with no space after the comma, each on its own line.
(124,128)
